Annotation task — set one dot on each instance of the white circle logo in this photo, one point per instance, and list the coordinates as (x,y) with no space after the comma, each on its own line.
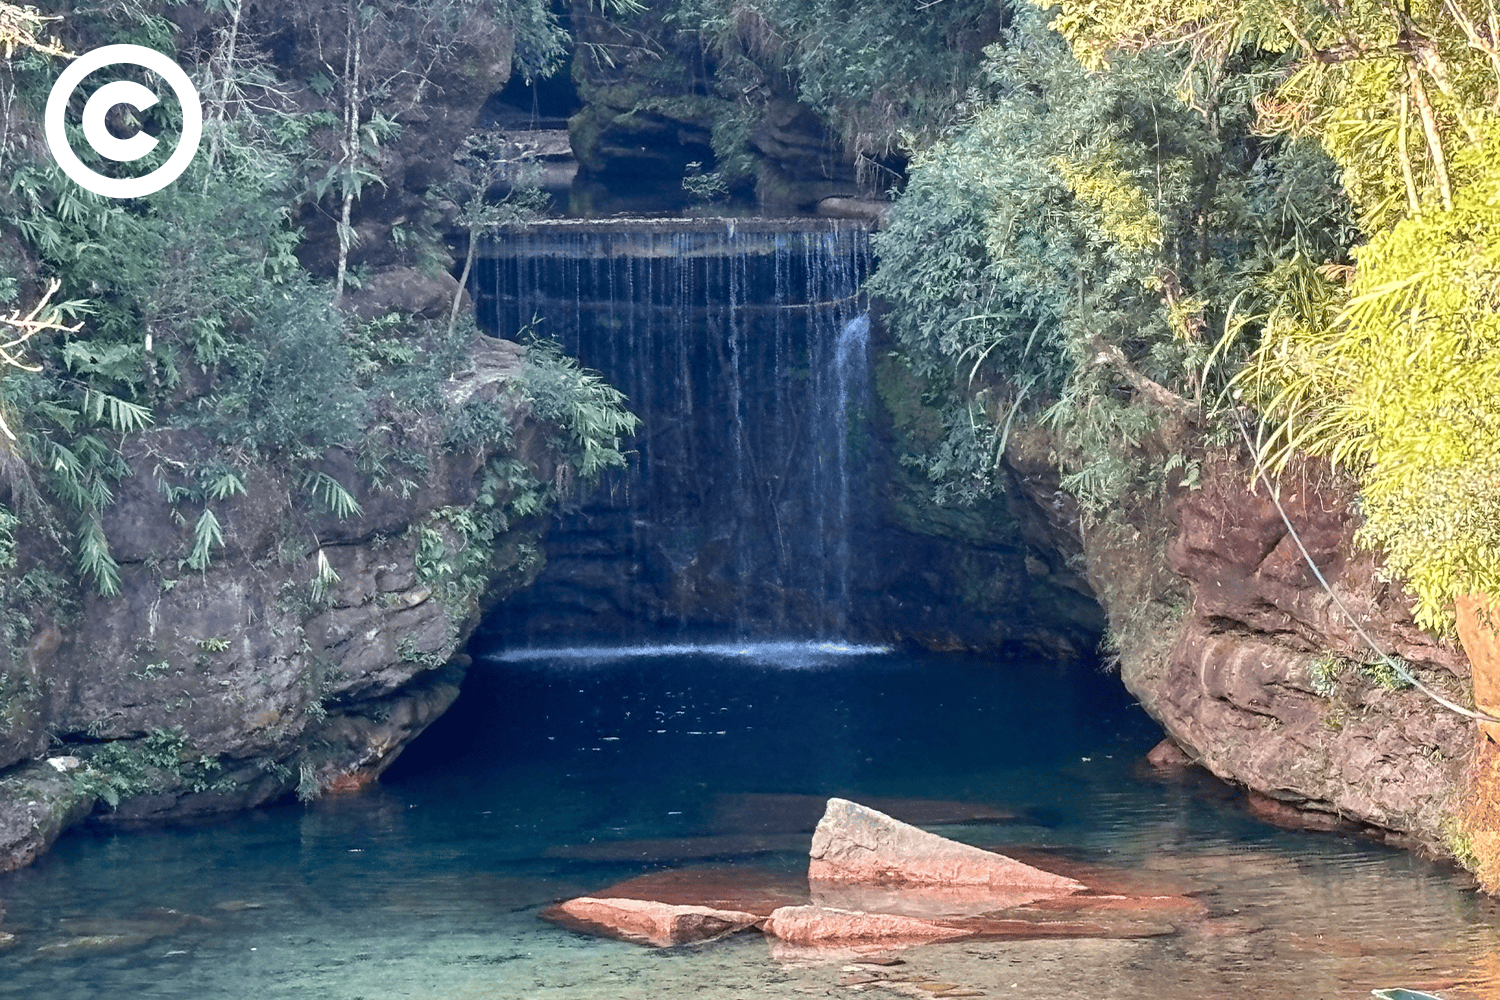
(107,97)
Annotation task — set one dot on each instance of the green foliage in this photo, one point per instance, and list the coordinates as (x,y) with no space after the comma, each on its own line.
(589,412)
(1394,380)
(159,760)
(285,387)
(1068,249)
(706,187)
(1324,672)
(1383,673)
(325,578)
(1388,367)
(207,534)
(197,314)
(456,545)
(8,525)
(1460,843)
(874,69)
(332,495)
(475,424)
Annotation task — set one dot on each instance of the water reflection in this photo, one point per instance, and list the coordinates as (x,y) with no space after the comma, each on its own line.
(547,783)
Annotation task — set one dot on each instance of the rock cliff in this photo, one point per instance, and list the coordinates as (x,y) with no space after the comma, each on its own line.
(208,691)
(1228,640)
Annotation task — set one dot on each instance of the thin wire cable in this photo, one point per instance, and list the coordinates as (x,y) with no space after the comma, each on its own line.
(1399,670)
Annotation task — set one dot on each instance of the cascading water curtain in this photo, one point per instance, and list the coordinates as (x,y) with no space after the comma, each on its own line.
(743,348)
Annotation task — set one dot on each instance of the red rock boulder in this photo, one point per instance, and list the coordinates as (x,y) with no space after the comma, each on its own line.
(854,844)
(649,922)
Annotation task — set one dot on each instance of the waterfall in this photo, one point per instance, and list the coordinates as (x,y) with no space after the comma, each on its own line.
(743,347)
(851,370)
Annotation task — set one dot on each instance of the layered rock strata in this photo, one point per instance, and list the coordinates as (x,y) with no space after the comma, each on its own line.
(213,690)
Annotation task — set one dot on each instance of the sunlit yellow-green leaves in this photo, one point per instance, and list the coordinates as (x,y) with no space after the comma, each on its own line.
(1124,212)
(1099,28)
(1403,386)
(1391,369)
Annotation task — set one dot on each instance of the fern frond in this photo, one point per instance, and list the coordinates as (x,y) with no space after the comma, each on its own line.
(325,577)
(120,414)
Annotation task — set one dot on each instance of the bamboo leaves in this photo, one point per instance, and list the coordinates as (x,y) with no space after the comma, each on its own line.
(208,534)
(331,493)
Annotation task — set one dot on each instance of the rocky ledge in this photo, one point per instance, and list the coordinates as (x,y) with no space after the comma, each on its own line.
(1229,641)
(213,690)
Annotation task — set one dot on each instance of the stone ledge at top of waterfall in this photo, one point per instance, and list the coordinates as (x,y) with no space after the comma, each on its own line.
(667,237)
(694,224)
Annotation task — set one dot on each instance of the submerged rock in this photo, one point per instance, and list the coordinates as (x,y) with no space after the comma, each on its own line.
(887,890)
(814,925)
(670,849)
(856,844)
(650,922)
(1168,756)
(92,943)
(819,926)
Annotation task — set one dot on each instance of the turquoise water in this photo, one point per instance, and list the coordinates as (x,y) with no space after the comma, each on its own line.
(555,777)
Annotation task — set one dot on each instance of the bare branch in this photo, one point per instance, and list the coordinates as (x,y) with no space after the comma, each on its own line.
(1108,354)
(43,317)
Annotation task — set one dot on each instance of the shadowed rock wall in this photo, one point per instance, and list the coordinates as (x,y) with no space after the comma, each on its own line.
(210,691)
(1230,643)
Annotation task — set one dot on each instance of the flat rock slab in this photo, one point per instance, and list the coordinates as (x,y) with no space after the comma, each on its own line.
(824,925)
(1104,879)
(854,844)
(763,812)
(649,922)
(924,901)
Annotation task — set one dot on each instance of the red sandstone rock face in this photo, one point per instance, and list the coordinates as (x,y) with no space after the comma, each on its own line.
(649,922)
(1235,685)
(1479,631)
(855,844)
(1293,818)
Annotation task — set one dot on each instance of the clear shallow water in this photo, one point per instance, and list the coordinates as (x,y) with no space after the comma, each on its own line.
(553,778)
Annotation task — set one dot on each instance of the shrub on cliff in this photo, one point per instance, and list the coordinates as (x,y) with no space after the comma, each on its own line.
(1073,250)
(193,311)
(1387,366)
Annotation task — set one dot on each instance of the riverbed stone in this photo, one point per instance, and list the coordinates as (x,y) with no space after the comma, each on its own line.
(826,925)
(648,921)
(1168,756)
(858,845)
